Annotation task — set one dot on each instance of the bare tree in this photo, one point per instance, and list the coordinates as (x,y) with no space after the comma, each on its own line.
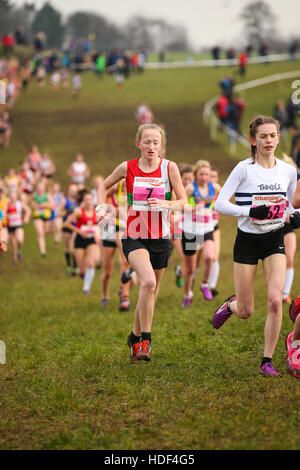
(81,24)
(155,34)
(5,16)
(259,21)
(137,32)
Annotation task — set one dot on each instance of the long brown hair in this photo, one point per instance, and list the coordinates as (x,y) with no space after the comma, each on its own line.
(254,125)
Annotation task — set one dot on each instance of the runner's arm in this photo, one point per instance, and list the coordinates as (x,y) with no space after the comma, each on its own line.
(292,188)
(61,206)
(296,197)
(189,189)
(50,203)
(87,172)
(3,245)
(115,177)
(223,204)
(27,212)
(53,168)
(73,218)
(181,199)
(70,170)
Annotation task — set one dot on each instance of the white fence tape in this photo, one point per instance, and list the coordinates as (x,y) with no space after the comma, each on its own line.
(189,62)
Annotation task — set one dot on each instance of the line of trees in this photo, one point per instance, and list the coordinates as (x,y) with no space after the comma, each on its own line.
(138,32)
(257,17)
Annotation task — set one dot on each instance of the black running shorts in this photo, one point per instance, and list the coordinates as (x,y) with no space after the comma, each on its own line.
(250,247)
(83,243)
(192,243)
(67,230)
(109,243)
(13,229)
(159,249)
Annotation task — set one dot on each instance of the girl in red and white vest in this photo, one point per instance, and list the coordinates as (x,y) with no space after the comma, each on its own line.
(146,243)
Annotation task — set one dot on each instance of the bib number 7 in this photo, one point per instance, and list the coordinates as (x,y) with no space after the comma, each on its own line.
(150,191)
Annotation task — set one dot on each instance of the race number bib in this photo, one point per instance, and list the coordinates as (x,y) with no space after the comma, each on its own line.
(203,220)
(145,188)
(198,222)
(89,230)
(276,204)
(109,231)
(14,220)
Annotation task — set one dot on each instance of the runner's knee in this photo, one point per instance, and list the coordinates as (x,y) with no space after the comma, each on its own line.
(190,270)
(106,275)
(245,311)
(149,284)
(275,305)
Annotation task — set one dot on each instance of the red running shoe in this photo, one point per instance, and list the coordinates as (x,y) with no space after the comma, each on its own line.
(295,309)
(144,353)
(134,349)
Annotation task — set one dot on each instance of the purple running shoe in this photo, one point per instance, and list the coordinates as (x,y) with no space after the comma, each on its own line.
(206,293)
(186,302)
(268,370)
(223,313)
(104,302)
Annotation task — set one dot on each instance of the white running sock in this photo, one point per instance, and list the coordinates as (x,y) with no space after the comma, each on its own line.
(214,275)
(88,278)
(178,270)
(288,282)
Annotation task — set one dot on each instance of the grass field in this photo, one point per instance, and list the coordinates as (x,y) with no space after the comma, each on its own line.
(68,382)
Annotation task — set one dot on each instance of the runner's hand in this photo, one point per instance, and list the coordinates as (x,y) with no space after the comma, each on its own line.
(295,220)
(259,212)
(102,217)
(155,203)
(3,247)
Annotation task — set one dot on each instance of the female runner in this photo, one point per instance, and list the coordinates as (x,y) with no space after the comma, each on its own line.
(17,211)
(56,220)
(215,268)
(85,240)
(262,185)
(187,177)
(3,244)
(79,171)
(293,339)
(42,206)
(111,239)
(47,167)
(202,194)
(3,208)
(146,244)
(68,234)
